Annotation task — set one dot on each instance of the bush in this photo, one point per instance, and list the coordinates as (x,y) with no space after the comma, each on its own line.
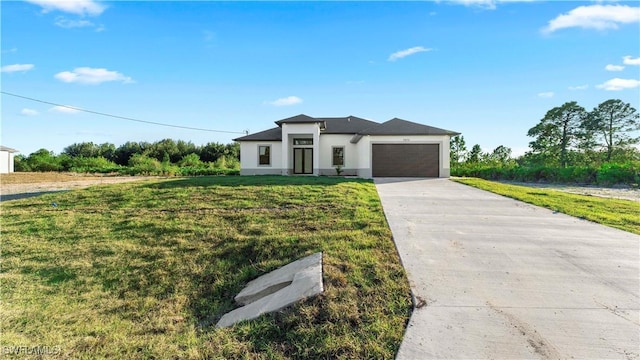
(144,165)
(93,165)
(607,174)
(191,160)
(44,160)
(611,174)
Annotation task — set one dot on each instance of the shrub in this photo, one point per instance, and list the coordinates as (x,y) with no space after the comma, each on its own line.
(191,160)
(93,165)
(611,173)
(144,165)
(607,174)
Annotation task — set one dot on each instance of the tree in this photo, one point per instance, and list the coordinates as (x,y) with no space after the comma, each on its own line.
(107,151)
(475,155)
(164,150)
(211,152)
(457,149)
(501,154)
(124,152)
(611,122)
(44,160)
(558,131)
(83,149)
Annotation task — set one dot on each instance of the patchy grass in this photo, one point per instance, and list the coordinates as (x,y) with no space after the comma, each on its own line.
(41,177)
(621,214)
(145,269)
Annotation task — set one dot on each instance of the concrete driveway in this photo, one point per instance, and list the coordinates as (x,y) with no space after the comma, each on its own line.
(498,278)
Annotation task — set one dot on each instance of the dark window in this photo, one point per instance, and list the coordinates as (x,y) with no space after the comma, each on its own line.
(302,141)
(338,156)
(264,155)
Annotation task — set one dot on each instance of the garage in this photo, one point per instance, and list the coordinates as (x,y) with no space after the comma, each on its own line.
(405,160)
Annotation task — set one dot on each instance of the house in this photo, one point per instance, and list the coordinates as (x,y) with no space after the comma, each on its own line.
(304,145)
(6,159)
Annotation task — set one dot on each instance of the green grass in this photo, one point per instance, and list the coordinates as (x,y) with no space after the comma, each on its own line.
(145,269)
(621,214)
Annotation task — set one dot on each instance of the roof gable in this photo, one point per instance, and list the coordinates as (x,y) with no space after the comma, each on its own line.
(298,119)
(397,126)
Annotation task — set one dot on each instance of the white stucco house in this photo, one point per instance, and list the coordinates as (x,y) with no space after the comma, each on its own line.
(6,159)
(304,145)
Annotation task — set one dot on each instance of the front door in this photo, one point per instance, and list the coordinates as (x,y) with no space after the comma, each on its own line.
(303,161)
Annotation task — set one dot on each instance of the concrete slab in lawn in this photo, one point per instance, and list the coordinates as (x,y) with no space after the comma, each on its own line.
(278,289)
(498,278)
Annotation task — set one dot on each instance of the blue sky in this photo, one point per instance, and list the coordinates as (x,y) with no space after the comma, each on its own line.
(486,68)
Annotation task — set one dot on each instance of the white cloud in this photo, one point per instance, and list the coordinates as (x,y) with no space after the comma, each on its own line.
(29,112)
(92,76)
(404,53)
(16,68)
(10,51)
(78,7)
(599,17)
(548,94)
(618,84)
(611,67)
(285,101)
(628,60)
(486,4)
(64,109)
(579,87)
(69,24)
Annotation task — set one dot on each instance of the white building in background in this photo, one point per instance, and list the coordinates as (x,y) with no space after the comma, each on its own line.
(6,159)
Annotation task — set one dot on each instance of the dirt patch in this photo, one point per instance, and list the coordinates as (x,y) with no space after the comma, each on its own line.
(40,177)
(625,193)
(539,344)
(41,183)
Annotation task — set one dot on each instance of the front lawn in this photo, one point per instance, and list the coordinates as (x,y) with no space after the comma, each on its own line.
(621,214)
(145,269)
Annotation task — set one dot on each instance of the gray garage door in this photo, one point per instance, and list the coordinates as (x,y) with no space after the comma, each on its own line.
(405,160)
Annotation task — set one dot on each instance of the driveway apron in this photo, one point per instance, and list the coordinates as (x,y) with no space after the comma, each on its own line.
(497,278)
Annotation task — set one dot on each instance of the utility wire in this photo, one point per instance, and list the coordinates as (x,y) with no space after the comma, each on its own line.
(122,117)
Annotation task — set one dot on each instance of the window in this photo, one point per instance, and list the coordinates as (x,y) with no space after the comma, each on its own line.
(302,141)
(338,156)
(264,155)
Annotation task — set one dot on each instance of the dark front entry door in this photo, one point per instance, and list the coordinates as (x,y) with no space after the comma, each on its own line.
(303,161)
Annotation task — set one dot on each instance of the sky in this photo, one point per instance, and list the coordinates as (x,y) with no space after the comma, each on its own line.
(489,69)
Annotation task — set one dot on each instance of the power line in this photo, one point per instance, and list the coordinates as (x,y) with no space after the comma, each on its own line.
(121,117)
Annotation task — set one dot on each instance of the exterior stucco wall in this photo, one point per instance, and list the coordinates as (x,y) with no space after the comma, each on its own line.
(6,162)
(357,156)
(351,159)
(249,158)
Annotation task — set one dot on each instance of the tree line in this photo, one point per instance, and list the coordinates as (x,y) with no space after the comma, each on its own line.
(570,144)
(164,157)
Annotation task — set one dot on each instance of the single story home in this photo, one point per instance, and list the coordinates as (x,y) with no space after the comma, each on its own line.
(6,159)
(304,145)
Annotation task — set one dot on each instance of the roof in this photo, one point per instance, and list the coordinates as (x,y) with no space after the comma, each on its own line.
(298,119)
(346,125)
(274,134)
(349,125)
(8,149)
(397,126)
